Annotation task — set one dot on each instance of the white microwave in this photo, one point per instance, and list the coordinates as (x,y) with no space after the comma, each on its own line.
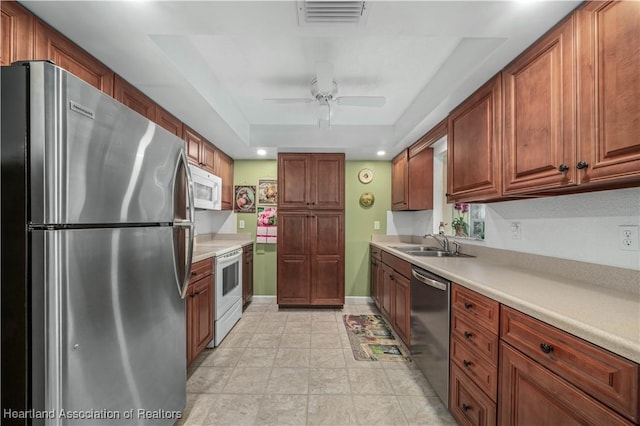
(207,189)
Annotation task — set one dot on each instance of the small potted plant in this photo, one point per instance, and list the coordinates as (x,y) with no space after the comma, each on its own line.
(458,224)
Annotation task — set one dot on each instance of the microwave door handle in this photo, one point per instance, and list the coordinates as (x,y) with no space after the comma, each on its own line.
(183,282)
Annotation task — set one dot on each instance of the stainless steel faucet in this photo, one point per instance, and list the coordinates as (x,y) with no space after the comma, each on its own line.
(444,243)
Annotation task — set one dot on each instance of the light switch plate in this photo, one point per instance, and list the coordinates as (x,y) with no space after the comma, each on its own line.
(241,224)
(515,230)
(376,224)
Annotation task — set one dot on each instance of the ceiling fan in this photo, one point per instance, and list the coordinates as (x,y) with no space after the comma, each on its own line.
(323,91)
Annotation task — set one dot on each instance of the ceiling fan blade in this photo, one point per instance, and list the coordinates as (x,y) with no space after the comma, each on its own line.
(324,77)
(363,101)
(290,100)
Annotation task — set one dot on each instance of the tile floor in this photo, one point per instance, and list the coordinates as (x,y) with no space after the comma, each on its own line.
(296,367)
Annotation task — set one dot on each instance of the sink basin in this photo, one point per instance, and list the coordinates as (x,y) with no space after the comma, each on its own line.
(423,251)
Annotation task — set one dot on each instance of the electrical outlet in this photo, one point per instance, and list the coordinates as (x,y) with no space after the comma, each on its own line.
(515,230)
(241,224)
(376,224)
(628,237)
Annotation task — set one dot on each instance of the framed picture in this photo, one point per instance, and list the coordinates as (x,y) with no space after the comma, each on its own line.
(245,200)
(267,191)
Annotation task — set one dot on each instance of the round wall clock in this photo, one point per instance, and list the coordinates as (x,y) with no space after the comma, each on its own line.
(365,175)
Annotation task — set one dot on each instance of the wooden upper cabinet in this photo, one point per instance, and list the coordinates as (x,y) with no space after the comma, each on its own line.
(168,121)
(400,181)
(192,141)
(327,181)
(420,168)
(223,167)
(53,46)
(128,95)
(199,151)
(474,131)
(539,110)
(311,181)
(16,29)
(608,40)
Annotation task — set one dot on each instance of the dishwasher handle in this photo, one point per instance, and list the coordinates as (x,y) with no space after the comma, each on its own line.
(428,281)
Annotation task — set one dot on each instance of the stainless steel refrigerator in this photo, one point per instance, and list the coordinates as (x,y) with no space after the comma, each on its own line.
(96,252)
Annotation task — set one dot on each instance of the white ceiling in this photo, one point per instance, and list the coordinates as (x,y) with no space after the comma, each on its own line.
(212,64)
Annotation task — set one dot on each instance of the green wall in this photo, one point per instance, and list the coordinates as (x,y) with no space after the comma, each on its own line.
(247,172)
(359,222)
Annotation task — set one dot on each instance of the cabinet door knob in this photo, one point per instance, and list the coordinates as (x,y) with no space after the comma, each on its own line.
(466,363)
(563,168)
(546,348)
(466,407)
(468,305)
(582,165)
(468,334)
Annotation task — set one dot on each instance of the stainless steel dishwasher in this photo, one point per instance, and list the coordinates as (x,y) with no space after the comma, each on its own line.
(430,328)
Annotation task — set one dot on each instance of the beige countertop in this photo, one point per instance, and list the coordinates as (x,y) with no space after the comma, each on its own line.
(207,246)
(605,316)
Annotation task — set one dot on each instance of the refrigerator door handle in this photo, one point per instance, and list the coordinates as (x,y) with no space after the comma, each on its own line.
(188,223)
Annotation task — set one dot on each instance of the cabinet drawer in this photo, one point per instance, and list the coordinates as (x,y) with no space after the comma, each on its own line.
(482,309)
(467,403)
(376,253)
(399,265)
(605,376)
(201,269)
(482,373)
(479,339)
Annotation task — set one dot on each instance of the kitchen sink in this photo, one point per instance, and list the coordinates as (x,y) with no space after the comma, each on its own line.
(423,251)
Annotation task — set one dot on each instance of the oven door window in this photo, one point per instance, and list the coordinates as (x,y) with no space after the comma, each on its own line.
(230,277)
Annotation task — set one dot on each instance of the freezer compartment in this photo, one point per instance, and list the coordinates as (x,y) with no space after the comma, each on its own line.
(114,325)
(92,159)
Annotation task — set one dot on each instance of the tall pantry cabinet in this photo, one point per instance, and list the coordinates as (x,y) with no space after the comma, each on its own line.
(310,229)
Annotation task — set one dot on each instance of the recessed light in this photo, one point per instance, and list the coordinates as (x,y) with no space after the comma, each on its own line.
(380,153)
(261,152)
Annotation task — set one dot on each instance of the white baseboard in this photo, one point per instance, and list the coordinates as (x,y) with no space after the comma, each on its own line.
(263,299)
(351,300)
(358,300)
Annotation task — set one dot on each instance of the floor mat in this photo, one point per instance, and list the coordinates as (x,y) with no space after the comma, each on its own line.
(372,339)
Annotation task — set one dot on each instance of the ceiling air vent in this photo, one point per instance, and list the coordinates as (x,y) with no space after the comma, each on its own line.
(332,12)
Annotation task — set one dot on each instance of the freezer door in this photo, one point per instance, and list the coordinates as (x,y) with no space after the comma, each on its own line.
(114,325)
(93,160)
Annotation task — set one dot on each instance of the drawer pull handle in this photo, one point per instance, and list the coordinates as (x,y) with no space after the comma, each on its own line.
(468,334)
(194,273)
(468,305)
(466,363)
(466,407)
(546,348)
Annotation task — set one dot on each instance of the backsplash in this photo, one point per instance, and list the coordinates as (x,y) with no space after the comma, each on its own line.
(582,227)
(214,222)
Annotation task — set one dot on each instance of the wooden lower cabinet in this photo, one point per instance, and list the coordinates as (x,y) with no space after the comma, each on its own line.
(395,300)
(247,275)
(199,309)
(310,258)
(532,395)
(467,403)
(376,276)
(473,349)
